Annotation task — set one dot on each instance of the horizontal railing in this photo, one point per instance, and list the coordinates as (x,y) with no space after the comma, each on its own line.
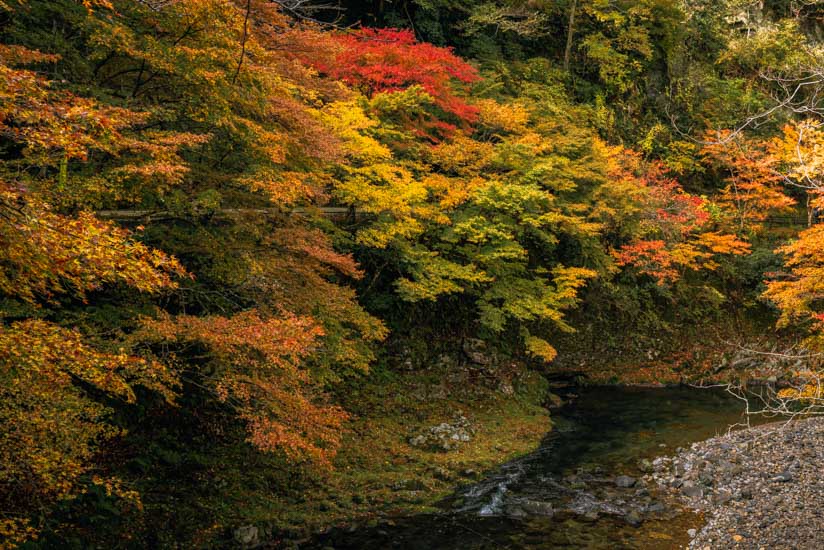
(340,212)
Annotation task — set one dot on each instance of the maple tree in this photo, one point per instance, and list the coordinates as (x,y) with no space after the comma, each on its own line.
(477,215)
(669,231)
(754,185)
(284,131)
(798,149)
(49,251)
(52,428)
(509,186)
(379,61)
(258,359)
(52,425)
(798,292)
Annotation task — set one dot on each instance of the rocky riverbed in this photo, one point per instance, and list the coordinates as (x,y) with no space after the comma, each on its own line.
(758,488)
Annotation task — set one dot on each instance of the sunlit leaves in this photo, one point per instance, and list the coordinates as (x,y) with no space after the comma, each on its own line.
(754,185)
(432,276)
(297,270)
(669,231)
(390,60)
(800,151)
(53,125)
(257,365)
(45,254)
(799,293)
(51,426)
(392,192)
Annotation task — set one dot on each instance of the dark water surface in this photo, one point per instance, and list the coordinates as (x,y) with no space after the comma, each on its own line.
(604,433)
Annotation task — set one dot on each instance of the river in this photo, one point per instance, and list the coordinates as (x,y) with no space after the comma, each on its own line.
(568,493)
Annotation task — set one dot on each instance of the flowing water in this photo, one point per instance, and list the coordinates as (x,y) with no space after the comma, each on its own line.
(564,495)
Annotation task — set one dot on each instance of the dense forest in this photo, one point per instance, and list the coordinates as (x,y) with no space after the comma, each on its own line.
(250,248)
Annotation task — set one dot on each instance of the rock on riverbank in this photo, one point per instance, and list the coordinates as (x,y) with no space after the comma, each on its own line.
(759,488)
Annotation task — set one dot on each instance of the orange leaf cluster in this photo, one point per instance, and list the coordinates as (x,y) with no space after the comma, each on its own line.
(51,428)
(45,254)
(259,373)
(799,293)
(754,183)
(673,230)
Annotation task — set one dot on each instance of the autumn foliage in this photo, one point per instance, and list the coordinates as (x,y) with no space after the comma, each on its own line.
(257,372)
(215,217)
(379,61)
(754,187)
(673,230)
(799,292)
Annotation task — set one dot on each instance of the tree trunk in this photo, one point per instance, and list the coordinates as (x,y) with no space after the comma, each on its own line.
(570,33)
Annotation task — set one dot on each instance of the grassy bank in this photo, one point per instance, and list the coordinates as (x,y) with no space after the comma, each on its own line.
(378,474)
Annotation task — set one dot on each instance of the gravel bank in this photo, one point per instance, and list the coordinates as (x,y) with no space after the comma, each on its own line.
(758,488)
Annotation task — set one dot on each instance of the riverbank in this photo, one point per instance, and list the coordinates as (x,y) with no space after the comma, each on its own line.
(580,489)
(757,488)
(712,352)
(413,438)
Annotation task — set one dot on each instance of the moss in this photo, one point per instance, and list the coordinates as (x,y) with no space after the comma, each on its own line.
(378,473)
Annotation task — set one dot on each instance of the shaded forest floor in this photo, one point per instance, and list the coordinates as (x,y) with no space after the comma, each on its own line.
(380,474)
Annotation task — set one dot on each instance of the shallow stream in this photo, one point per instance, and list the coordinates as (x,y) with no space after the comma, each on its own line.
(568,493)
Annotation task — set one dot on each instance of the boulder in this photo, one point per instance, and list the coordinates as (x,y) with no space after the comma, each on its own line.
(444,437)
(656,507)
(506,388)
(706,478)
(722,497)
(247,536)
(515,510)
(625,482)
(476,351)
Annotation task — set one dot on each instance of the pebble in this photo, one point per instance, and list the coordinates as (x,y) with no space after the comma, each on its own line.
(634,518)
(758,488)
(783,477)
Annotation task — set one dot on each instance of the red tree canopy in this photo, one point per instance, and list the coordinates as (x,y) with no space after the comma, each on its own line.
(392,60)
